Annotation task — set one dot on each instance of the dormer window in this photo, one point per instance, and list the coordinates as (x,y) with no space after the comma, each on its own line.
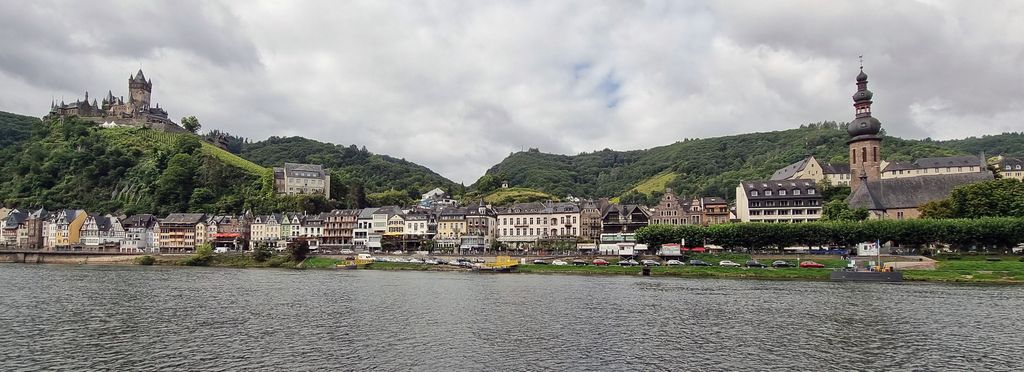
(753,193)
(782,192)
(810,192)
(796,191)
(767,192)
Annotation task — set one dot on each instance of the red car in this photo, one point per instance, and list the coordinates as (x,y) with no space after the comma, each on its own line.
(600,262)
(811,264)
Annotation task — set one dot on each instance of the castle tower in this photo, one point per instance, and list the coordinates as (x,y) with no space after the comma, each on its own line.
(864,142)
(139,91)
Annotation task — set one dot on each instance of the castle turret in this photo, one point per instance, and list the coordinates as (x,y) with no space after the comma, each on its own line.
(865,143)
(139,91)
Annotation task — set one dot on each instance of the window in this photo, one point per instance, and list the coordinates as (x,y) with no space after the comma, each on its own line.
(874,154)
(782,192)
(753,193)
(810,192)
(853,155)
(863,154)
(796,192)
(767,192)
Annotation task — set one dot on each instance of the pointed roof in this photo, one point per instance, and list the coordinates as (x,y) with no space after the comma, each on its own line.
(139,76)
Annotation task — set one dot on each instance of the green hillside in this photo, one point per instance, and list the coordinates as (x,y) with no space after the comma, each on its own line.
(711,166)
(349,165)
(15,128)
(76,164)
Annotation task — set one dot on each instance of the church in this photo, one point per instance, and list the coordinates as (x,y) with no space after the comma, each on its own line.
(116,111)
(898,197)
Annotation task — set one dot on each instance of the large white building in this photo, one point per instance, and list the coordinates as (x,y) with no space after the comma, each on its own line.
(522,225)
(302,179)
(778,201)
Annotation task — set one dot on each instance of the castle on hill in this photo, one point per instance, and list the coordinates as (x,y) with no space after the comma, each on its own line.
(115,111)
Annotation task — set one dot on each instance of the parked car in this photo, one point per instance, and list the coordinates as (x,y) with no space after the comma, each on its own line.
(781,263)
(728,263)
(811,265)
(579,262)
(650,263)
(674,263)
(599,262)
(346,251)
(699,263)
(220,250)
(559,263)
(628,263)
(414,261)
(755,263)
(539,262)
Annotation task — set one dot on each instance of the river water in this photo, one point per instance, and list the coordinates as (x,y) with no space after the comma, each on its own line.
(169,318)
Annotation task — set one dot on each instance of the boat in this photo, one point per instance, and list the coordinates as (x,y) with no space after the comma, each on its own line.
(866,276)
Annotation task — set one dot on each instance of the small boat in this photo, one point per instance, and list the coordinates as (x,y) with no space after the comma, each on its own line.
(866,276)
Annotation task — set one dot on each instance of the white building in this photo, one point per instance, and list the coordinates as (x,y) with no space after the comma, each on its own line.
(302,179)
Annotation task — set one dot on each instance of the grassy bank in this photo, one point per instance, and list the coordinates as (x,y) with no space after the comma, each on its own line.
(964,270)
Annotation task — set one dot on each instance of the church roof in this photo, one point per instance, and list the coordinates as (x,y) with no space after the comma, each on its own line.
(910,192)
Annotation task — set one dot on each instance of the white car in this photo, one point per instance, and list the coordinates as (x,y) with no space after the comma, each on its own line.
(346,251)
(415,261)
(559,263)
(727,263)
(650,263)
(674,263)
(220,250)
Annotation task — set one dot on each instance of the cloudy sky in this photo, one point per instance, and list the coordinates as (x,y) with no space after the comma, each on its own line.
(458,85)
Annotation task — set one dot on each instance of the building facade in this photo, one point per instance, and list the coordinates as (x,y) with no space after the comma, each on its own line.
(778,201)
(295,178)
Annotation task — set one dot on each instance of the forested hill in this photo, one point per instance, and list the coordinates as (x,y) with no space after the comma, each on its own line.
(711,166)
(74,164)
(348,164)
(15,128)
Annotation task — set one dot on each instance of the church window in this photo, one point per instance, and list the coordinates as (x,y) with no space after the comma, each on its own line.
(863,154)
(874,154)
(853,155)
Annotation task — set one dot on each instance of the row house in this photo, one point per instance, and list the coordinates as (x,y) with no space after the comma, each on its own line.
(339,227)
(63,229)
(36,226)
(101,231)
(481,229)
(140,234)
(15,228)
(451,226)
(1010,167)
(523,225)
(778,201)
(182,232)
(673,210)
(228,231)
(624,219)
(266,230)
(591,212)
(363,228)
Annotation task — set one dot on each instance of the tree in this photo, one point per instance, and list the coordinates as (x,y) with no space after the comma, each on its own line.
(937,209)
(390,197)
(298,250)
(174,187)
(996,198)
(262,252)
(838,210)
(191,124)
(357,196)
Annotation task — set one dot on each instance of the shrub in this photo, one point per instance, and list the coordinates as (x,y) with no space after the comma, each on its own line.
(262,253)
(202,257)
(145,260)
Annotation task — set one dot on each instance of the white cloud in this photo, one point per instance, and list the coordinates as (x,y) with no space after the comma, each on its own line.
(457,85)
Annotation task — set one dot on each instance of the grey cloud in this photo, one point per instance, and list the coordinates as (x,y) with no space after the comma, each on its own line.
(458,85)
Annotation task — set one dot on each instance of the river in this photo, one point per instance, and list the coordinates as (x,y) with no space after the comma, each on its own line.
(170,318)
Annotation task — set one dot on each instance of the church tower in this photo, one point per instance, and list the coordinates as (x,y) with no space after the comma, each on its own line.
(139,91)
(864,142)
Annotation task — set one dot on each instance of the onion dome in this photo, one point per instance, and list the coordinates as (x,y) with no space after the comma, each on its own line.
(862,77)
(865,126)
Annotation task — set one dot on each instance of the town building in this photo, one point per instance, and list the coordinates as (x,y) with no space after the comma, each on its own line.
(778,201)
(898,197)
(265,231)
(65,229)
(810,168)
(102,231)
(364,227)
(182,232)
(525,225)
(715,210)
(137,111)
(451,226)
(481,228)
(339,226)
(14,228)
(295,178)
(35,227)
(590,219)
(140,234)
(624,218)
(1010,167)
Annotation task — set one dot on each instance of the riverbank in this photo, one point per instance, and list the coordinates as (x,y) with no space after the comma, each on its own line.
(967,269)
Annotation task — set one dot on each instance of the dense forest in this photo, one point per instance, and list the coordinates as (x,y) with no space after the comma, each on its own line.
(712,166)
(349,165)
